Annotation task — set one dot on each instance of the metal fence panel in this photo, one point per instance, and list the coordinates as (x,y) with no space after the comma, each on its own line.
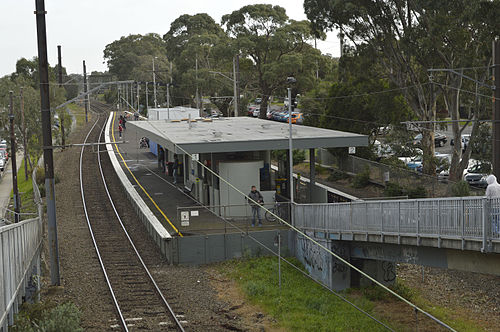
(458,218)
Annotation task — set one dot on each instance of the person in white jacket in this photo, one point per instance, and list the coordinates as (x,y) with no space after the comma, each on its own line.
(493,191)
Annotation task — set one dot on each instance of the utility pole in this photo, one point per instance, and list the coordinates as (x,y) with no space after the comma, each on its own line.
(119,97)
(43,69)
(147,101)
(85,87)
(168,101)
(198,103)
(138,87)
(235,86)
(25,148)
(59,62)
(17,202)
(154,84)
(496,108)
(290,146)
(238,83)
(61,118)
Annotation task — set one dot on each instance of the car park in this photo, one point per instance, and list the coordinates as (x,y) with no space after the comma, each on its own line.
(465,141)
(439,139)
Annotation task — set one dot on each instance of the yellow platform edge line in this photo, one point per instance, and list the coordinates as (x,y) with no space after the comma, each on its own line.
(137,181)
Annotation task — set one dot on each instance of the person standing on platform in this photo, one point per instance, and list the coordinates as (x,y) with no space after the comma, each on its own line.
(120,129)
(256,196)
(493,191)
(175,168)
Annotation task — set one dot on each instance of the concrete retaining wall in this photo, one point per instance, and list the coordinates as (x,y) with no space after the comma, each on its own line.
(205,249)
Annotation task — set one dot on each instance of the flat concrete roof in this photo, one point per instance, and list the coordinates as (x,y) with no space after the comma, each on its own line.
(240,134)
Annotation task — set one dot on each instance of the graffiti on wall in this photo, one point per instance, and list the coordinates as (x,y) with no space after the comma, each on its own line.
(337,265)
(389,271)
(315,259)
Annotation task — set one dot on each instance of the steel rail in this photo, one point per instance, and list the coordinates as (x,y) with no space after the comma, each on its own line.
(115,302)
(167,305)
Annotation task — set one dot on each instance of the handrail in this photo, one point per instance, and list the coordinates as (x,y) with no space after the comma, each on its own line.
(452,218)
(19,250)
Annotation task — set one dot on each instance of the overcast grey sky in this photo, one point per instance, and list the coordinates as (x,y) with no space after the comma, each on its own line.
(84,28)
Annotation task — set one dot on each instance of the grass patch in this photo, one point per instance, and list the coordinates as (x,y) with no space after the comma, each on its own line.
(79,113)
(302,304)
(25,188)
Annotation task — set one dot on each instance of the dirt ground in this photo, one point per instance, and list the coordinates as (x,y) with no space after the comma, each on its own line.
(471,295)
(82,281)
(211,302)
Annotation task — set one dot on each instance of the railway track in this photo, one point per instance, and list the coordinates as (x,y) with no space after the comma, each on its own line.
(139,303)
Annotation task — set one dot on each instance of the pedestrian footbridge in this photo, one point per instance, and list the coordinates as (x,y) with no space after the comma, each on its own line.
(456,233)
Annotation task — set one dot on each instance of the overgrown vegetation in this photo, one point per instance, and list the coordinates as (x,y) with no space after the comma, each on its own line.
(25,188)
(362,179)
(460,189)
(302,305)
(393,189)
(48,317)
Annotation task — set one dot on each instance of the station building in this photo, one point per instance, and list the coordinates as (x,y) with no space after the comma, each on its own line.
(239,151)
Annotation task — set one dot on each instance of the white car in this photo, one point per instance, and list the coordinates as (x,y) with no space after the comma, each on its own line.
(2,164)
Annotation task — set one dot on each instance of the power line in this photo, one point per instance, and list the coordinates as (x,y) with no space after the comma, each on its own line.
(323,247)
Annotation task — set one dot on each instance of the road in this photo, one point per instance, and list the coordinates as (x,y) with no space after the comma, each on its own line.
(447,148)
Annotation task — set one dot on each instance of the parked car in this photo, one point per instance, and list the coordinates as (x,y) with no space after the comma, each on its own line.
(382,150)
(413,163)
(476,173)
(465,141)
(439,139)
(2,164)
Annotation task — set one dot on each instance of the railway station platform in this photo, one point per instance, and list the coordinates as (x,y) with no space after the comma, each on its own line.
(171,203)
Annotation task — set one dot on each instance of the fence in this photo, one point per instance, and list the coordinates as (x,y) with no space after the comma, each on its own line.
(455,218)
(202,219)
(19,253)
(434,186)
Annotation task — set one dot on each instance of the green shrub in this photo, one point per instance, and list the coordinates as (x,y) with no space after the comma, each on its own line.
(298,156)
(336,175)
(40,175)
(403,290)
(417,192)
(47,317)
(460,189)
(393,189)
(362,179)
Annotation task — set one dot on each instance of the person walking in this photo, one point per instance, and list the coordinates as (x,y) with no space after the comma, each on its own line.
(258,200)
(493,191)
(120,129)
(124,121)
(175,168)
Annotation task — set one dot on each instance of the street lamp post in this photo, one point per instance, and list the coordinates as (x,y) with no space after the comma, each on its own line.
(290,80)
(290,145)
(154,82)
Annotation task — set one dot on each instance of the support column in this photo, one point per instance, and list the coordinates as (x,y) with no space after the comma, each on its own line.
(312,173)
(340,273)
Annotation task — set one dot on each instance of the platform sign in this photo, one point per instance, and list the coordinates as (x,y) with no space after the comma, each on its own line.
(352,150)
(195,213)
(184,218)
(195,156)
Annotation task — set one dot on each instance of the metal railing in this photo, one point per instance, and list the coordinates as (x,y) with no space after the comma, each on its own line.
(475,218)
(213,217)
(19,252)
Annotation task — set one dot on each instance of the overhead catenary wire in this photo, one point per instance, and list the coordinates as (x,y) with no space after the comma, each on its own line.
(414,306)
(274,253)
